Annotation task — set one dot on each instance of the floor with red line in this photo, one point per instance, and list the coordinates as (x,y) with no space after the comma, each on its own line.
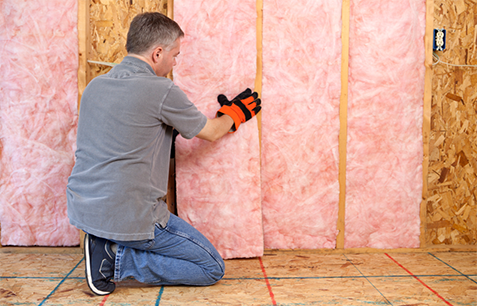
(278,278)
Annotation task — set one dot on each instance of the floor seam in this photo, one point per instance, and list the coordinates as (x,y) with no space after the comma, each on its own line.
(64,278)
(467,276)
(367,279)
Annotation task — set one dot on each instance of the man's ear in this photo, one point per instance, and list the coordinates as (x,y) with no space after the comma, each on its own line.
(157,54)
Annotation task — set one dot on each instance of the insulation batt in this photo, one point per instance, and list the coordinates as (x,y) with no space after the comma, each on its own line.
(300,123)
(38,115)
(386,88)
(218,184)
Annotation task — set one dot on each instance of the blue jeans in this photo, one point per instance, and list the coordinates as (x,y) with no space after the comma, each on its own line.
(178,255)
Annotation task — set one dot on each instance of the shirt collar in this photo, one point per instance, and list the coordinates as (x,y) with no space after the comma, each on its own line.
(131,60)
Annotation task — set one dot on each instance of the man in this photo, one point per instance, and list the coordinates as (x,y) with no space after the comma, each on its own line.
(124,139)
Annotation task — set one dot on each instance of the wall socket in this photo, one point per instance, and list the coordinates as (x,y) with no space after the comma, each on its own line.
(439,40)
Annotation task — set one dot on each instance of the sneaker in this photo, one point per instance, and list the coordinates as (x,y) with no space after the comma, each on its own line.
(99,265)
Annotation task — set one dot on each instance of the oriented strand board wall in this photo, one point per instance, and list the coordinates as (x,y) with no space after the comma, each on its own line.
(452,202)
(109,24)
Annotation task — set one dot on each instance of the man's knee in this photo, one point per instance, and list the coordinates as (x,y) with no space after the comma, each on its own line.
(215,274)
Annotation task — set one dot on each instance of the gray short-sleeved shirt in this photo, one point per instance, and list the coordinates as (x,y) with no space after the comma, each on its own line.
(123,150)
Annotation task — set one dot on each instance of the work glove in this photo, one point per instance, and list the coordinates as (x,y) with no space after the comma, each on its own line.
(224,101)
(242,108)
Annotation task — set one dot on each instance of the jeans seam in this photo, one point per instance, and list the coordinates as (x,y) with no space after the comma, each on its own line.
(117,265)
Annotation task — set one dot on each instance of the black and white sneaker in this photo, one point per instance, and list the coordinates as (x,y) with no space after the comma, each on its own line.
(99,265)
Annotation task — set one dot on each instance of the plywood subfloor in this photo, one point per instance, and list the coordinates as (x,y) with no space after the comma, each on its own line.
(278,278)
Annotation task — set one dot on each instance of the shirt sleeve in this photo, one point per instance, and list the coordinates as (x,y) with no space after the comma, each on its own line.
(179,112)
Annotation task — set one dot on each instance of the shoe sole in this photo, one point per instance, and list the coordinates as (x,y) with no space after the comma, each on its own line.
(89,280)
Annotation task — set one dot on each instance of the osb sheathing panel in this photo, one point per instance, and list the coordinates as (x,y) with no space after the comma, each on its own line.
(452,204)
(109,24)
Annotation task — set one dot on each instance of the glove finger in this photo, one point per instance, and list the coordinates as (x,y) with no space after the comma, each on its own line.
(244,94)
(222,99)
(257,102)
(253,103)
(257,109)
(255,95)
(248,102)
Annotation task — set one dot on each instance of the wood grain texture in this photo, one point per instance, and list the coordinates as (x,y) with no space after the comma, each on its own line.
(452,175)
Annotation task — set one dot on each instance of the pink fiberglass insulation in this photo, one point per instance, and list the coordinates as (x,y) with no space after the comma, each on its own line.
(300,123)
(218,184)
(384,161)
(38,98)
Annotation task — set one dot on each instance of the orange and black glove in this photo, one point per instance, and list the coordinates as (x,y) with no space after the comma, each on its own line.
(242,108)
(244,94)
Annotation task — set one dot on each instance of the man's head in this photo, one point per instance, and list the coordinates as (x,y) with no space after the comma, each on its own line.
(149,30)
(155,39)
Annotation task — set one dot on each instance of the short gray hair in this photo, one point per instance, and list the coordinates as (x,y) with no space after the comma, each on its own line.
(151,29)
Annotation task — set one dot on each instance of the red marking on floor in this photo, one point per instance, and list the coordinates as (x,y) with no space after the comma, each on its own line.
(433,291)
(268,283)
(104,300)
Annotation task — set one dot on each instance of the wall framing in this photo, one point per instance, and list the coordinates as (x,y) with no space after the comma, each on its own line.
(449,198)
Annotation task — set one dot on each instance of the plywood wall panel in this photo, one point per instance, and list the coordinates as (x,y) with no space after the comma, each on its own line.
(109,25)
(452,177)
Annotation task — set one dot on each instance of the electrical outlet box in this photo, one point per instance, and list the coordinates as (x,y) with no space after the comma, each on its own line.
(439,40)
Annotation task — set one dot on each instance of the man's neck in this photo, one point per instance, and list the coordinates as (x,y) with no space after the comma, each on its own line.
(142,58)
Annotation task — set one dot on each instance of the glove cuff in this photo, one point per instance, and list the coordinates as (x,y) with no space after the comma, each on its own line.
(227,110)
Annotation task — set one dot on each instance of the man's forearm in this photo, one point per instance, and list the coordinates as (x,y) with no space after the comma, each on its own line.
(216,128)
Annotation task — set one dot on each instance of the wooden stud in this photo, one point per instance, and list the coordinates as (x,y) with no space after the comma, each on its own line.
(259,75)
(426,124)
(40,250)
(170,13)
(343,123)
(171,185)
(171,188)
(170,9)
(84,47)
(440,248)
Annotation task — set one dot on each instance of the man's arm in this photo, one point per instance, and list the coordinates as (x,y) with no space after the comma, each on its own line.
(241,109)
(216,128)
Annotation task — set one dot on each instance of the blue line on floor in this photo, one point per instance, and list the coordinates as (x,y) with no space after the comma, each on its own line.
(51,293)
(158,301)
(32,277)
(462,274)
(367,279)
